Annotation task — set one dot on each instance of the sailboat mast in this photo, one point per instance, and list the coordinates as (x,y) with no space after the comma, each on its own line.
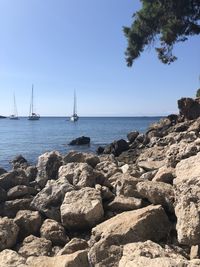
(32,100)
(15,107)
(75,104)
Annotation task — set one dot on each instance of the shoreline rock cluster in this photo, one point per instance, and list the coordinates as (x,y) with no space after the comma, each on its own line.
(137,204)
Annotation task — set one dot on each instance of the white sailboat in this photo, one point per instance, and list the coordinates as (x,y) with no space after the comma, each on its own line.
(74,116)
(32,115)
(14,116)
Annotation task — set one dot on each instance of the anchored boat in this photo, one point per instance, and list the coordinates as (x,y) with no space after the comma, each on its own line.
(14,116)
(74,117)
(32,115)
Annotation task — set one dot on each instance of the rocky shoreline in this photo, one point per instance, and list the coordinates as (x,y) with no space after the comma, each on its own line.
(136,204)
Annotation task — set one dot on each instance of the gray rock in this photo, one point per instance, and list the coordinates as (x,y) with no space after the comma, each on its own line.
(81,209)
(11,207)
(81,157)
(13,178)
(83,140)
(3,195)
(29,222)
(48,166)
(121,203)
(74,245)
(20,191)
(132,136)
(35,246)
(54,232)
(8,233)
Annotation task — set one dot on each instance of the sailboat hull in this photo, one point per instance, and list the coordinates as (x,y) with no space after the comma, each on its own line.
(74,118)
(33,118)
(13,118)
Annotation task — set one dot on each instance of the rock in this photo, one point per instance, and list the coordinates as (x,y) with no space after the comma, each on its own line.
(3,195)
(81,157)
(31,173)
(100,150)
(187,168)
(54,232)
(81,175)
(130,226)
(187,210)
(157,193)
(165,174)
(11,207)
(83,140)
(19,162)
(148,175)
(29,222)
(132,136)
(13,178)
(2,171)
(48,166)
(117,147)
(152,158)
(8,233)
(81,209)
(49,199)
(106,193)
(194,252)
(189,108)
(20,191)
(125,185)
(195,126)
(35,246)
(150,254)
(77,259)
(74,245)
(108,168)
(121,203)
(10,258)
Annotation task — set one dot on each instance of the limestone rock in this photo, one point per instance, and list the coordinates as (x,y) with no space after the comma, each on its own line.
(130,226)
(121,203)
(20,191)
(29,222)
(189,108)
(49,199)
(8,233)
(132,136)
(150,254)
(81,175)
(77,259)
(74,245)
(81,209)
(48,166)
(10,258)
(117,147)
(54,232)
(157,193)
(31,173)
(35,246)
(11,207)
(108,168)
(13,178)
(89,158)
(187,210)
(19,162)
(165,175)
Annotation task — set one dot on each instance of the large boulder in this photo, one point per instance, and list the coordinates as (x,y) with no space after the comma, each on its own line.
(157,193)
(48,166)
(81,175)
(117,147)
(49,199)
(10,258)
(130,226)
(20,191)
(54,232)
(77,259)
(19,162)
(81,209)
(81,157)
(132,136)
(8,233)
(108,168)
(83,140)
(35,246)
(150,254)
(3,195)
(189,108)
(29,222)
(165,174)
(120,203)
(74,245)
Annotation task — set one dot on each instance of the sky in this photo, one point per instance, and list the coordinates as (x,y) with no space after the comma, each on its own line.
(66,45)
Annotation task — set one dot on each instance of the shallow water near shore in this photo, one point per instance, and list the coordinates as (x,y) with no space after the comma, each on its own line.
(33,138)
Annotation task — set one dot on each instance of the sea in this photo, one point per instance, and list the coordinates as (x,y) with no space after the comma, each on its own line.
(33,138)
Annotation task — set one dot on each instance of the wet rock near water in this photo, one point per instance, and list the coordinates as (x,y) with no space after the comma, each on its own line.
(83,140)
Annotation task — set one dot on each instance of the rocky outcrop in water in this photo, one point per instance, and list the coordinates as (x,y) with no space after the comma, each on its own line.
(137,204)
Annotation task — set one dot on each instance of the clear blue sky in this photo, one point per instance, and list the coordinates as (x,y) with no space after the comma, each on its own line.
(62,45)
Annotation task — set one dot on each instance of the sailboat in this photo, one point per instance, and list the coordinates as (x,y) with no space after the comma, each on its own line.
(14,116)
(32,115)
(74,117)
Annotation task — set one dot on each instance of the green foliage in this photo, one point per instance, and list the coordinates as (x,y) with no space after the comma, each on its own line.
(198,93)
(169,21)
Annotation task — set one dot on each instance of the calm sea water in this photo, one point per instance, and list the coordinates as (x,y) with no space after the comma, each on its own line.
(32,138)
